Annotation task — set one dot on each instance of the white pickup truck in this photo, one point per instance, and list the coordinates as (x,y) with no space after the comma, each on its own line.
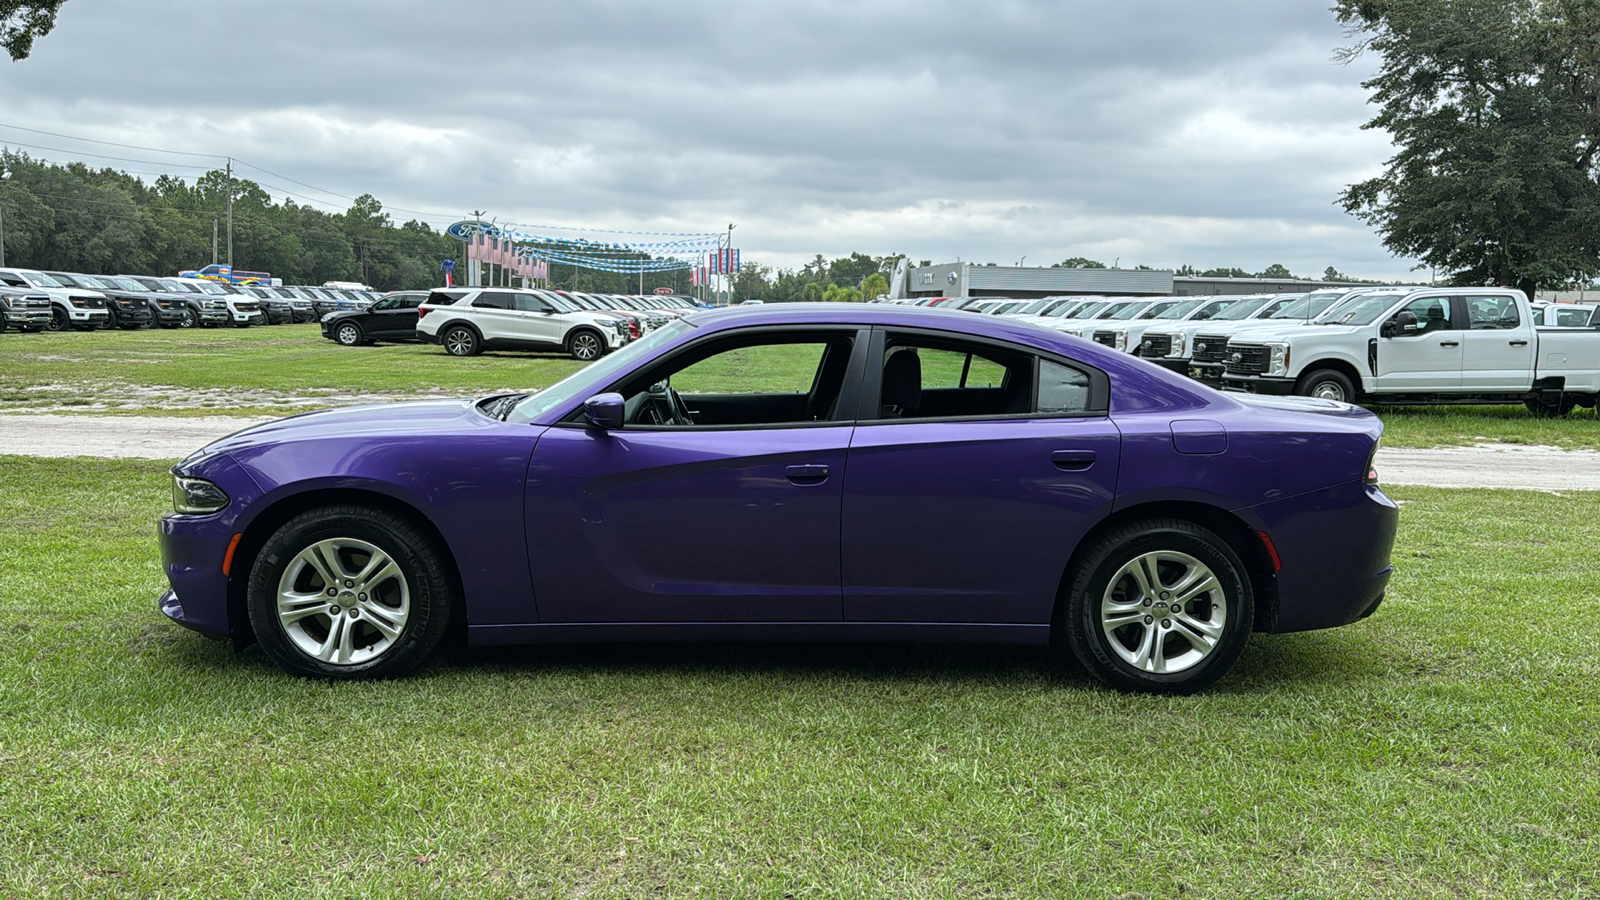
(1424,346)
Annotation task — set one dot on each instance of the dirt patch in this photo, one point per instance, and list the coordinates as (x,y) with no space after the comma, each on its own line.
(1493,465)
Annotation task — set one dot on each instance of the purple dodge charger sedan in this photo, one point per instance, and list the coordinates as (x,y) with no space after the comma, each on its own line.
(796,472)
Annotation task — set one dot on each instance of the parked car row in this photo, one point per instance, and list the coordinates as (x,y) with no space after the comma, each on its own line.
(1377,344)
(87,302)
(467,321)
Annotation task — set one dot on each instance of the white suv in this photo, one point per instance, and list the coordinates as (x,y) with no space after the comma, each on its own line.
(468,322)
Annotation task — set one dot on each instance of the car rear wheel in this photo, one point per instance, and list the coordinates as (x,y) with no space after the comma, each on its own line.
(459,340)
(1326,384)
(349,592)
(585,345)
(348,334)
(1159,606)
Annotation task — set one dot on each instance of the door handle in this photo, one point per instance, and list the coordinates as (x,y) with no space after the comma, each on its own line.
(1519,343)
(1073,460)
(807,474)
(1449,343)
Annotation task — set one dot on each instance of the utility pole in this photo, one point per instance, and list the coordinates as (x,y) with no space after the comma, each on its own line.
(213,240)
(728,267)
(230,212)
(4,177)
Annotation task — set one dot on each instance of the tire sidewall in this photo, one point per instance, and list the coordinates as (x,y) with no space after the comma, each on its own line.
(418,562)
(472,345)
(350,328)
(1088,640)
(1308,385)
(572,344)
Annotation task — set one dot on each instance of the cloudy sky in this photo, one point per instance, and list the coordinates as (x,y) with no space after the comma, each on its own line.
(1159,132)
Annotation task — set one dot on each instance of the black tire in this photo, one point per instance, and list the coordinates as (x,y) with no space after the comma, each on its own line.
(1328,384)
(191,319)
(1104,647)
(349,334)
(4,323)
(585,345)
(1557,410)
(58,319)
(111,319)
(421,589)
(459,340)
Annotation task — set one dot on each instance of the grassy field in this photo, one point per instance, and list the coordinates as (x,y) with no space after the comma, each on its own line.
(283,369)
(1447,747)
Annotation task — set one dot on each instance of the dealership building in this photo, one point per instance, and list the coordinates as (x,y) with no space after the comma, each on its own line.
(962,279)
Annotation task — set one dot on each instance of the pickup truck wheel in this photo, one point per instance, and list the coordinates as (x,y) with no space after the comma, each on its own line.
(1158,606)
(349,592)
(585,346)
(459,340)
(191,319)
(348,334)
(4,323)
(1326,384)
(58,319)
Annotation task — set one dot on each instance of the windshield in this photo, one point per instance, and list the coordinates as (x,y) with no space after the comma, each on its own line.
(1172,311)
(1307,307)
(127,284)
(1059,307)
(1124,312)
(1363,309)
(89,281)
(1243,309)
(40,279)
(1034,308)
(1088,309)
(209,287)
(561,304)
(564,391)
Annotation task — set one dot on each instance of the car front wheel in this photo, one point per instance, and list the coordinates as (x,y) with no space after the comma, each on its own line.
(1159,606)
(348,334)
(1327,384)
(585,346)
(460,340)
(58,319)
(349,592)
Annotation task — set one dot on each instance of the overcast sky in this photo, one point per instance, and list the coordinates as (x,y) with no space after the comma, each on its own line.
(1159,132)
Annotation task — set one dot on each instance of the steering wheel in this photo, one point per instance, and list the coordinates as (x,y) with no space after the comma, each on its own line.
(680,410)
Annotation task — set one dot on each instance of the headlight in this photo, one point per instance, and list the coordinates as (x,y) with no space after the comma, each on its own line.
(1121,341)
(196,496)
(1278,360)
(1179,342)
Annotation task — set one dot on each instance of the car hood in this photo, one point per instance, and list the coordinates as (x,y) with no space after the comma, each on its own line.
(1267,333)
(404,419)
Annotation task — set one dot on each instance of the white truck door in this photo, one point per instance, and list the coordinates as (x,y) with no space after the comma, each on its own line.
(1426,360)
(1498,346)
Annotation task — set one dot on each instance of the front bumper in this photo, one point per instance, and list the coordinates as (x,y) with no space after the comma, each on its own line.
(1208,372)
(1258,384)
(1171,364)
(170,315)
(27,317)
(301,316)
(134,316)
(254,318)
(80,314)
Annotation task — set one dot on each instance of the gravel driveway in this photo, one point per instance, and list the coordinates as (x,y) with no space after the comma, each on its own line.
(155,437)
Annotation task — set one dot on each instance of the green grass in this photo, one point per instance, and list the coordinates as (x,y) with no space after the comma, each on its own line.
(283,369)
(1447,747)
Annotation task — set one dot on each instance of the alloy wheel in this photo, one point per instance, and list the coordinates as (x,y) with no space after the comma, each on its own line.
(458,342)
(343,601)
(1164,612)
(190,318)
(586,347)
(349,335)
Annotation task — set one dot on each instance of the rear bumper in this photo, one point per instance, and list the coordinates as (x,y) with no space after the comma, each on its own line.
(1258,384)
(1335,545)
(426,337)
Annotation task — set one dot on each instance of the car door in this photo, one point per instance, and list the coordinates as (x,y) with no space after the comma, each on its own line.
(496,315)
(661,521)
(1497,347)
(540,322)
(1428,359)
(394,318)
(964,496)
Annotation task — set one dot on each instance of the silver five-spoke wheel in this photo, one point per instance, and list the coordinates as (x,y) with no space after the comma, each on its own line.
(343,601)
(1163,612)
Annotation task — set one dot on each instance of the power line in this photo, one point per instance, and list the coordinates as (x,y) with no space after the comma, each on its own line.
(110,143)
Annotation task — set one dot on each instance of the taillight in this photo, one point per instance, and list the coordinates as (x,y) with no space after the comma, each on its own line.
(1372,463)
(421,311)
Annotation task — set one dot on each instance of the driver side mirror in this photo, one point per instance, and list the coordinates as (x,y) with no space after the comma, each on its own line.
(1404,322)
(604,410)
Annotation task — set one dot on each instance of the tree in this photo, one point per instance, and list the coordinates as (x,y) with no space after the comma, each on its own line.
(1078,262)
(874,286)
(23,20)
(1276,270)
(1495,105)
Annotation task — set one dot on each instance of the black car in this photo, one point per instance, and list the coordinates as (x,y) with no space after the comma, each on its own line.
(393,318)
(279,309)
(128,309)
